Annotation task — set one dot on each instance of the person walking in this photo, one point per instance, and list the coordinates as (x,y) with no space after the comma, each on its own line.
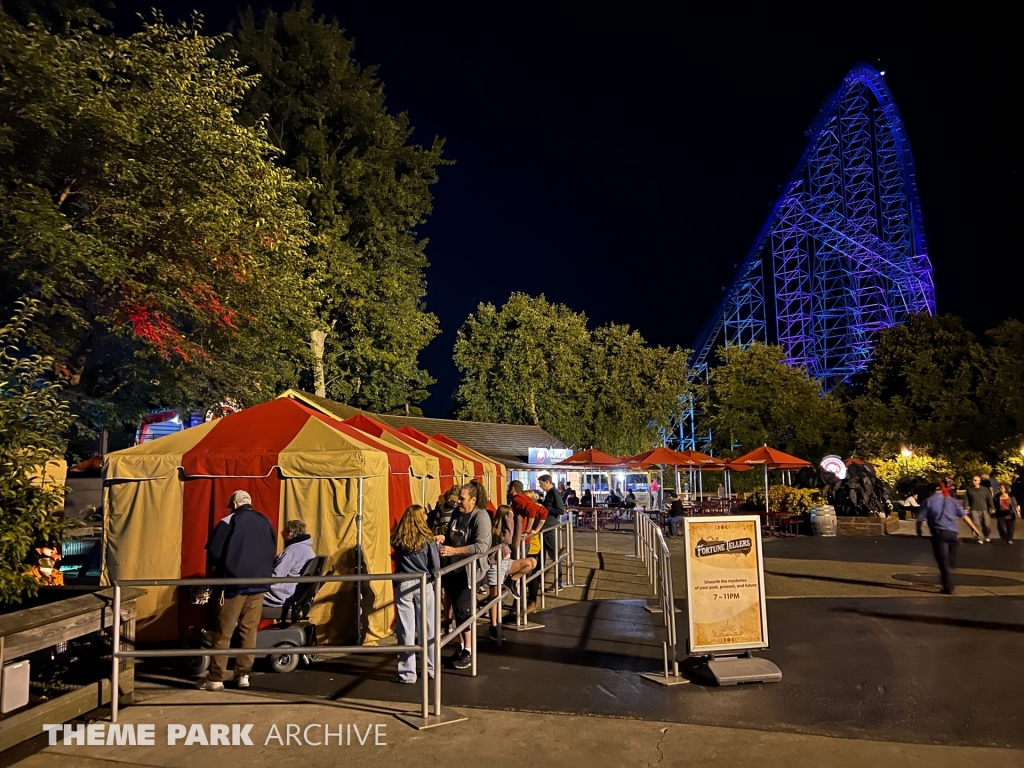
(655,494)
(980,505)
(243,546)
(415,552)
(942,515)
(555,506)
(1007,511)
(468,534)
(296,553)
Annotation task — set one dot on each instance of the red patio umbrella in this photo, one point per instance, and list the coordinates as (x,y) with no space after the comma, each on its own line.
(591,458)
(771,459)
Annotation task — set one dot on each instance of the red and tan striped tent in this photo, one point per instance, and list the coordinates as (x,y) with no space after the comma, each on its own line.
(163,499)
(475,465)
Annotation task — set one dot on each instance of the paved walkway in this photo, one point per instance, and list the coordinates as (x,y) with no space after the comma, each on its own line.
(490,738)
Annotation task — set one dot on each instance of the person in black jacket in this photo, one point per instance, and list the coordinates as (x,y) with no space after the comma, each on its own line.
(243,546)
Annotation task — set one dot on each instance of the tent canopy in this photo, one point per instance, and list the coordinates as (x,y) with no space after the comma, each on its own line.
(660,456)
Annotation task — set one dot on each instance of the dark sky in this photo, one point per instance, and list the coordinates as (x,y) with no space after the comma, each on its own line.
(622,160)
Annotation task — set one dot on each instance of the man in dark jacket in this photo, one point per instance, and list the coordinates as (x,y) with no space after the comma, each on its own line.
(980,504)
(243,546)
(556,509)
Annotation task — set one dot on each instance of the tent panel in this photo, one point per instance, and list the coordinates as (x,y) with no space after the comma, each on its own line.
(142,540)
(248,442)
(329,507)
(320,449)
(157,458)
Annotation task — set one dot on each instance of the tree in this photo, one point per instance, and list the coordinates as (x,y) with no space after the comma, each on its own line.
(753,398)
(526,363)
(923,388)
(34,416)
(534,362)
(327,114)
(166,244)
(638,390)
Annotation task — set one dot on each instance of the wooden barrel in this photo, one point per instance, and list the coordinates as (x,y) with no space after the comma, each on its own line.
(823,520)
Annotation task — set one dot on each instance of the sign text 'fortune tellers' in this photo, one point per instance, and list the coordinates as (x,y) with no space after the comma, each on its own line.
(737,546)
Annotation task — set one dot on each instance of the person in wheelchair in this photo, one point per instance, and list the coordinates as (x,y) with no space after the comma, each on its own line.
(296,553)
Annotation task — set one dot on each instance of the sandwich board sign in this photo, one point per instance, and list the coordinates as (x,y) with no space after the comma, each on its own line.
(725,585)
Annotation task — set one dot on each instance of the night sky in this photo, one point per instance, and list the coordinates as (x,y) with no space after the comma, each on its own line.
(622,161)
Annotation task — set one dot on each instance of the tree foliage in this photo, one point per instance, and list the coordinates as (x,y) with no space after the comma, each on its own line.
(34,417)
(637,389)
(165,242)
(328,115)
(534,362)
(753,398)
(525,363)
(922,389)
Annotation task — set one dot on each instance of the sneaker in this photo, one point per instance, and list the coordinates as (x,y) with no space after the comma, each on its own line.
(463,659)
(242,681)
(987,540)
(210,685)
(494,633)
(404,681)
(510,587)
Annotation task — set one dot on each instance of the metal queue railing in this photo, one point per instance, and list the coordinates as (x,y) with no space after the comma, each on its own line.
(654,552)
(478,610)
(564,562)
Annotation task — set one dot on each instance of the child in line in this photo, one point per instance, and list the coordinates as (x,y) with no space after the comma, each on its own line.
(415,552)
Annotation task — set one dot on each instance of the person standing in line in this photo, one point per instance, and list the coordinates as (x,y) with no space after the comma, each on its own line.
(243,546)
(529,520)
(415,552)
(442,513)
(1007,512)
(468,534)
(942,515)
(556,511)
(980,505)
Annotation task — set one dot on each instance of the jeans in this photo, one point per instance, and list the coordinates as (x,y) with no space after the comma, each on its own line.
(980,519)
(944,545)
(244,612)
(1006,526)
(673,525)
(408,629)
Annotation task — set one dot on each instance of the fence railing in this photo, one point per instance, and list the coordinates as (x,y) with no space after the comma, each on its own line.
(654,552)
(440,639)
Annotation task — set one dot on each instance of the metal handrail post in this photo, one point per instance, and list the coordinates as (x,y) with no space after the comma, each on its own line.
(572,553)
(437,645)
(541,573)
(115,671)
(558,558)
(472,611)
(424,642)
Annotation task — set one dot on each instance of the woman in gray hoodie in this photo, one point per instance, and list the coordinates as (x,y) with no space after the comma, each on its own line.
(296,553)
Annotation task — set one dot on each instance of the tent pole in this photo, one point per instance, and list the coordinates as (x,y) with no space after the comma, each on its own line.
(359,564)
(679,491)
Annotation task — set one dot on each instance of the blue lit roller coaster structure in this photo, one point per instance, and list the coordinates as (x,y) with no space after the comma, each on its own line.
(843,252)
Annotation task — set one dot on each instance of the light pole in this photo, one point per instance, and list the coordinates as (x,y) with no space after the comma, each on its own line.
(906,453)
